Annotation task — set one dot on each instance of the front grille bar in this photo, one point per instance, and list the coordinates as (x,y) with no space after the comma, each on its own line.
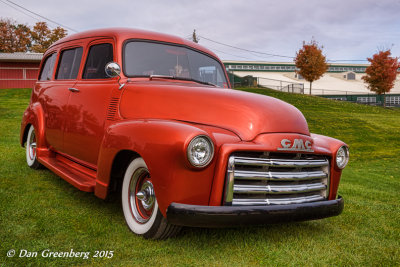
(276,201)
(290,163)
(277,189)
(274,175)
(278,180)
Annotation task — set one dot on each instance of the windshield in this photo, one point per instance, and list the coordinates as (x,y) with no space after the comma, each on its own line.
(151,59)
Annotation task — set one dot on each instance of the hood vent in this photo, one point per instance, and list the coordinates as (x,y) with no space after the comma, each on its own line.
(112,109)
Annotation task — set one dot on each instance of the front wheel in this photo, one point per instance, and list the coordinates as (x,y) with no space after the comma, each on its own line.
(31,144)
(139,204)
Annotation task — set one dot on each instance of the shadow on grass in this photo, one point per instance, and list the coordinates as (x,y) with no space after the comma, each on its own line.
(112,209)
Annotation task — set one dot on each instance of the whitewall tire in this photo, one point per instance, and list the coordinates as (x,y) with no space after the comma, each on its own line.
(139,204)
(31,145)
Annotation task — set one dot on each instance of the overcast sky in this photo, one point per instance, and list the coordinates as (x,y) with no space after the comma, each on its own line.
(348,30)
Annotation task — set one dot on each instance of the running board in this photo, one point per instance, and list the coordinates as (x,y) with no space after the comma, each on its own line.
(79,176)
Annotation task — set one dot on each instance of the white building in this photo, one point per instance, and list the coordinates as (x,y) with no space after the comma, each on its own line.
(338,80)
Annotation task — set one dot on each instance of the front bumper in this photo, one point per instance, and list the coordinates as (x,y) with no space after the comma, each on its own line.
(220,216)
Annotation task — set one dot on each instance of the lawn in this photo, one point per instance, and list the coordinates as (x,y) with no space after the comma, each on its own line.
(40,211)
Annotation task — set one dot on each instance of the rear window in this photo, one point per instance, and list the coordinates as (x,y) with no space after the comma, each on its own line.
(68,67)
(99,55)
(46,72)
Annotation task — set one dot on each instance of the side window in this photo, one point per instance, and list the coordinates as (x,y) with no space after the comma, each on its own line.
(47,68)
(69,62)
(99,55)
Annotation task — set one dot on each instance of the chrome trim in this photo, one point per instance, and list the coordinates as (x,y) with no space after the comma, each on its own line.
(146,195)
(230,180)
(273,178)
(277,189)
(280,162)
(160,76)
(141,195)
(208,139)
(112,69)
(280,176)
(147,188)
(74,90)
(346,155)
(276,201)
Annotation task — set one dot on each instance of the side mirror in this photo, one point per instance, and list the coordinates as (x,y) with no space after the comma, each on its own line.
(114,70)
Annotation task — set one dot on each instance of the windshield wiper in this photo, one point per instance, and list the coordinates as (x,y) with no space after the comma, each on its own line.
(197,81)
(179,78)
(161,76)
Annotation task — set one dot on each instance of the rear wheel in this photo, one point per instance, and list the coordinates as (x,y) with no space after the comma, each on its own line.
(31,145)
(139,204)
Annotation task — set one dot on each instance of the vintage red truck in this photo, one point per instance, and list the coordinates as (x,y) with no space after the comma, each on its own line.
(153,117)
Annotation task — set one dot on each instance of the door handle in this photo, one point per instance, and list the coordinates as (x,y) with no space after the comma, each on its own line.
(73,89)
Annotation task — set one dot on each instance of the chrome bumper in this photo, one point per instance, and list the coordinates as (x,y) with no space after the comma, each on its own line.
(220,216)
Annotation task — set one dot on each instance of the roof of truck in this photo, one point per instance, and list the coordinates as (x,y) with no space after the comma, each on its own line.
(128,33)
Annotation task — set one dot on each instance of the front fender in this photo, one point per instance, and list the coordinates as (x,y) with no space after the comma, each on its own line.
(34,115)
(162,144)
(332,145)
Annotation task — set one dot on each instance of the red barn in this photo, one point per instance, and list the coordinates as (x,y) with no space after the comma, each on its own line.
(19,70)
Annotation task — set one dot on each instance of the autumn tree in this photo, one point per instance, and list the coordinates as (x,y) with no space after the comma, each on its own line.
(21,38)
(43,37)
(310,62)
(381,74)
(14,37)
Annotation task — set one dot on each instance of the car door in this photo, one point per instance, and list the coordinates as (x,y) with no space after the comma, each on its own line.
(55,94)
(87,105)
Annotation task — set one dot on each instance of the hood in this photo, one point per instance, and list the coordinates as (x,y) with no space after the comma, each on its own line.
(245,114)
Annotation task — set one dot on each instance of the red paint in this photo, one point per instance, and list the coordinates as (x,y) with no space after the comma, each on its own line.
(79,134)
(18,74)
(236,111)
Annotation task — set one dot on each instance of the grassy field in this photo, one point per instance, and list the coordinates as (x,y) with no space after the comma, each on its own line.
(40,211)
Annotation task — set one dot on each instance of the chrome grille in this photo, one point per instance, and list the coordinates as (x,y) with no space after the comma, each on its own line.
(268,178)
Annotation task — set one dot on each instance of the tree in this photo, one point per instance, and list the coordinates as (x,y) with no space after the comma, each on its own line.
(194,37)
(43,37)
(21,38)
(14,37)
(310,62)
(381,74)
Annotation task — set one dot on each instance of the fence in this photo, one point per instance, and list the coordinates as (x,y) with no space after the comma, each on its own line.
(297,88)
(391,100)
(274,84)
(322,92)
(280,85)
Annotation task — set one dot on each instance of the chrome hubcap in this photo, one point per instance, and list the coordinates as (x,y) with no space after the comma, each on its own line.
(146,195)
(141,195)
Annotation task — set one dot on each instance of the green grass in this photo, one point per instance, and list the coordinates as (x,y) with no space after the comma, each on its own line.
(41,211)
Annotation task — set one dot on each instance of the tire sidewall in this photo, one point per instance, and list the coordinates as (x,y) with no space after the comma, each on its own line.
(29,161)
(134,226)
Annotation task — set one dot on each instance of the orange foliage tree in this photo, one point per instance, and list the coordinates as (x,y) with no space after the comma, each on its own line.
(14,37)
(310,62)
(43,37)
(381,74)
(21,38)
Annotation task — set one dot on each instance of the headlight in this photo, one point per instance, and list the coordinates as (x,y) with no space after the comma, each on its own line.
(342,157)
(200,151)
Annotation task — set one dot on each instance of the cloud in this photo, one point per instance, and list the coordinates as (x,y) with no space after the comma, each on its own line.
(347,29)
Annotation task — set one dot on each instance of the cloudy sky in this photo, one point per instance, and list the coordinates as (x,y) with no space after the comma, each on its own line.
(348,30)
